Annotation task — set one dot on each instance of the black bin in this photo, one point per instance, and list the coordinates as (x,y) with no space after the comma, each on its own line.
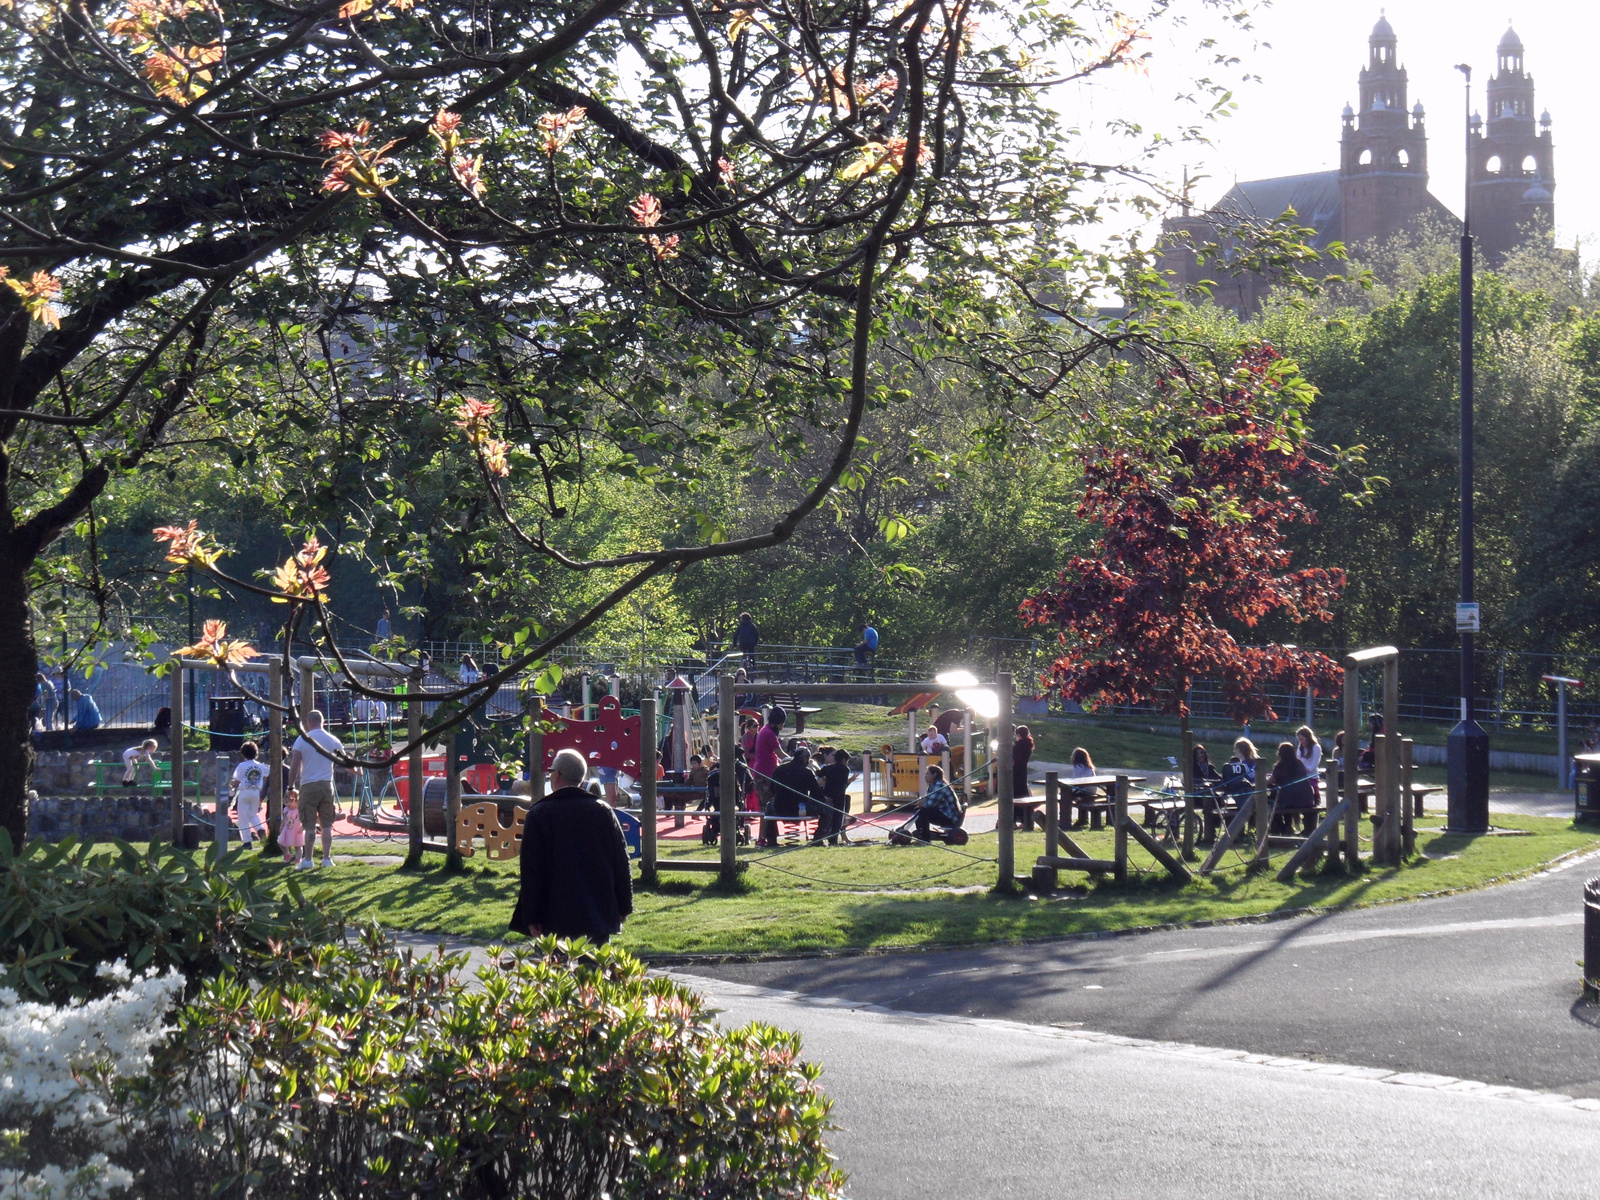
(227,722)
(1586,799)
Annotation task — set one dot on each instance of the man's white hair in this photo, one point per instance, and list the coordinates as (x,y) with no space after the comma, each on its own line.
(314,719)
(569,767)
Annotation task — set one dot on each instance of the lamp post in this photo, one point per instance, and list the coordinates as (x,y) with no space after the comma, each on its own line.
(1468,772)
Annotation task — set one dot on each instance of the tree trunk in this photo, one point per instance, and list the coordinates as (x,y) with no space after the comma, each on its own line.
(19,667)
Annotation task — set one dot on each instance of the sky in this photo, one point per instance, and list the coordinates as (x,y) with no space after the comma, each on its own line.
(1308,55)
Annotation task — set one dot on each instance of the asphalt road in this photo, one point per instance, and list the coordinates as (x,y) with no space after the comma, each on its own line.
(1482,986)
(942,1108)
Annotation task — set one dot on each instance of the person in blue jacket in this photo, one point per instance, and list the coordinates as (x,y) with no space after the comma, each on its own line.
(87,712)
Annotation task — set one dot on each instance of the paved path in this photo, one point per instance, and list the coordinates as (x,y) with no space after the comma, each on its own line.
(1481,986)
(943,1108)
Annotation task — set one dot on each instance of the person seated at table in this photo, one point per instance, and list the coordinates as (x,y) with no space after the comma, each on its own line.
(1368,756)
(1239,772)
(940,806)
(1294,791)
(1206,782)
(793,783)
(1082,768)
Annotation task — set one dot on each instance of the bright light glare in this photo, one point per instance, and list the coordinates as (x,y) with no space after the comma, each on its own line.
(982,701)
(956,679)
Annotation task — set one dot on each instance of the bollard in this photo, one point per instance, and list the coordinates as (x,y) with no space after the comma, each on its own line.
(220,830)
(1591,941)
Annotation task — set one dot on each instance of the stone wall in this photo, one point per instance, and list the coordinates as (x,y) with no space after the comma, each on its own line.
(132,818)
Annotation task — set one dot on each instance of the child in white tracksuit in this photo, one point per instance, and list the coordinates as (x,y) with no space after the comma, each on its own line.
(249,781)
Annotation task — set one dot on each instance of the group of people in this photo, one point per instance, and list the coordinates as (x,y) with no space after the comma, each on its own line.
(1291,781)
(791,779)
(67,706)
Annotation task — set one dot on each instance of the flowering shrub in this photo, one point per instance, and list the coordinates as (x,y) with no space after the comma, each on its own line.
(61,1068)
(68,908)
(563,1072)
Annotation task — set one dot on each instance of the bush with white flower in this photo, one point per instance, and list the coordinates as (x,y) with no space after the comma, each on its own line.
(60,1067)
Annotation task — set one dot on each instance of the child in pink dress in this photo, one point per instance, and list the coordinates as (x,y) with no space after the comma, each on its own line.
(291,835)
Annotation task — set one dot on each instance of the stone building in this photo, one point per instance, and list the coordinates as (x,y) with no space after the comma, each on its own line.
(1381,185)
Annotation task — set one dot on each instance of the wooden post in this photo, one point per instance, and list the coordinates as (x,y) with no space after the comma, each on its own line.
(452,802)
(176,700)
(922,775)
(728,778)
(536,781)
(586,697)
(968,767)
(1389,757)
(1408,829)
(647,795)
(1352,754)
(866,780)
(276,768)
(1006,814)
(219,835)
(1119,825)
(1052,822)
(414,781)
(1330,792)
(647,762)
(1385,818)
(1263,809)
(1190,817)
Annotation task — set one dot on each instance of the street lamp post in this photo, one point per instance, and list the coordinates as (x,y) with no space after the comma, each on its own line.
(1468,776)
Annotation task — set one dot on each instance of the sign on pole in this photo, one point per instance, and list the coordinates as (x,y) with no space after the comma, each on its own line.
(1468,617)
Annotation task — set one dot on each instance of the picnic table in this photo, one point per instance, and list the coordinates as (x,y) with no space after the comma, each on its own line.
(1028,810)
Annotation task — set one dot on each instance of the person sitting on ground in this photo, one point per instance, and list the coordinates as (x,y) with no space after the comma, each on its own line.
(835,780)
(576,881)
(941,806)
(249,778)
(1082,768)
(793,783)
(145,750)
(87,714)
(1293,791)
(934,743)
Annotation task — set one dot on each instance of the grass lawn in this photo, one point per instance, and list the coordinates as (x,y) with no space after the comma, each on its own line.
(866,897)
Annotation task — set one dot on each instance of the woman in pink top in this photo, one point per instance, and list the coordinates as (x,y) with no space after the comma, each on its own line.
(768,750)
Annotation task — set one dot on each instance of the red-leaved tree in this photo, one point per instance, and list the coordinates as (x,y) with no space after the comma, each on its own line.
(1193,507)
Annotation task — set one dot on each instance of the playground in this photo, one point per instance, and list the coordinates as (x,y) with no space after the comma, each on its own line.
(1020,869)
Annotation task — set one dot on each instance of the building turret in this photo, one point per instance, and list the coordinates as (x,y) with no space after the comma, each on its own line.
(1513,162)
(1383,152)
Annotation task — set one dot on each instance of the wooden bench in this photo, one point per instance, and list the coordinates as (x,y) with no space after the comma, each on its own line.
(790,703)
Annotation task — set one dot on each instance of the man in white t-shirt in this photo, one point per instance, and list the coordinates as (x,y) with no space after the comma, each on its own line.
(311,784)
(249,781)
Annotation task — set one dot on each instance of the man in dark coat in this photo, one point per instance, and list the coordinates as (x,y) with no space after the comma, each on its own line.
(792,782)
(576,881)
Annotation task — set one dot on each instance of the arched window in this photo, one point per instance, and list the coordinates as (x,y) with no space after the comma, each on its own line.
(1530,165)
(1493,165)
(1366,158)
(1401,158)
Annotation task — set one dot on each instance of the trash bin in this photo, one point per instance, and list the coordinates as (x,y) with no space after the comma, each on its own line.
(226,722)
(189,838)
(1586,790)
(1591,940)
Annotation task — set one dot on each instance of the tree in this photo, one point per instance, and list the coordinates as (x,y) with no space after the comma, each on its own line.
(1193,509)
(203,199)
